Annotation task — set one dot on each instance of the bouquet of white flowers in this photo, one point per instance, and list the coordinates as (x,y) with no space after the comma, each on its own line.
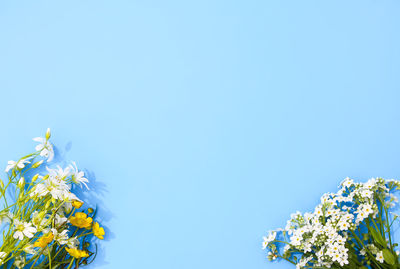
(41,222)
(348,229)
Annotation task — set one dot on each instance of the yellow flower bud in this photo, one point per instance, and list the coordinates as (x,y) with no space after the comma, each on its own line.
(35,177)
(41,215)
(21,183)
(48,134)
(77,204)
(37,164)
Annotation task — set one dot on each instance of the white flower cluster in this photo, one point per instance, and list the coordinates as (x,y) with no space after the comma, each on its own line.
(324,237)
(56,186)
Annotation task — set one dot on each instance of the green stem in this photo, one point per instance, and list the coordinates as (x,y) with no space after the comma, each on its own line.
(70,264)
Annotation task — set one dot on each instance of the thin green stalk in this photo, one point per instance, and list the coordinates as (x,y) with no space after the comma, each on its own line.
(70,264)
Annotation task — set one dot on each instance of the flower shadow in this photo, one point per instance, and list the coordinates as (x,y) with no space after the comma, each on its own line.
(92,198)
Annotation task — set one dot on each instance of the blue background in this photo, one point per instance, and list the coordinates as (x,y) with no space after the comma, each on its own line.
(203,124)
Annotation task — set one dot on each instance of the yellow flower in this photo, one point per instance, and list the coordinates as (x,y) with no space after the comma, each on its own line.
(81,220)
(98,231)
(44,240)
(76,253)
(77,204)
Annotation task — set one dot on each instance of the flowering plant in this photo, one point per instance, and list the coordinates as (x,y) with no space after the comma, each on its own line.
(41,223)
(352,228)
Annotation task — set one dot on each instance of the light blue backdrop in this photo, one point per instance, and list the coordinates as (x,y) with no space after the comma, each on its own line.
(203,123)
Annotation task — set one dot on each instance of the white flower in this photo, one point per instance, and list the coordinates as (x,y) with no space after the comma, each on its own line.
(59,173)
(78,177)
(295,240)
(379,257)
(366,193)
(69,197)
(19,262)
(58,189)
(271,237)
(18,164)
(66,208)
(307,247)
(73,242)
(370,183)
(343,225)
(286,248)
(5,217)
(271,256)
(303,262)
(29,248)
(347,182)
(323,233)
(61,238)
(23,229)
(60,219)
(45,148)
(39,220)
(3,255)
(318,211)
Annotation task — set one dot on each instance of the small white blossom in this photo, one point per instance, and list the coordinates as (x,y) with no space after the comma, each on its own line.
(23,229)
(379,257)
(77,176)
(3,255)
(45,148)
(73,242)
(59,173)
(271,237)
(16,164)
(61,238)
(29,248)
(19,262)
(60,220)
(56,188)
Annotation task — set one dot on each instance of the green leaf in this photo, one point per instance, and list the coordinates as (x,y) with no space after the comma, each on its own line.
(378,237)
(388,256)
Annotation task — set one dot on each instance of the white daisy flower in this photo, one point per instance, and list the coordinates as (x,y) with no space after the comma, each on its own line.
(23,229)
(59,173)
(57,189)
(78,177)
